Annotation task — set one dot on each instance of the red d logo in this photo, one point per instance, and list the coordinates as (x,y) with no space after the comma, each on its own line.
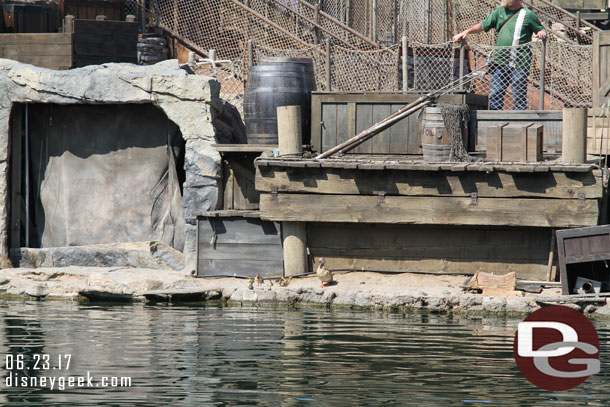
(556,348)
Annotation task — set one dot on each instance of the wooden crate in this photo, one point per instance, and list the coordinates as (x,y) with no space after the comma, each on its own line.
(234,242)
(583,252)
(515,143)
(336,117)
(551,120)
(28,18)
(239,191)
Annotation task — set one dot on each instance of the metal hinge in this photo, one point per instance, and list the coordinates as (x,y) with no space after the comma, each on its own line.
(581,199)
(474,198)
(381,195)
(274,189)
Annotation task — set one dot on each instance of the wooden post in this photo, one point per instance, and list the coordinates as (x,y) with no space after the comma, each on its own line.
(250,53)
(69,24)
(405,64)
(462,57)
(100,18)
(374,21)
(574,137)
(542,74)
(316,19)
(578,20)
(550,276)
(130,18)
(295,248)
(328,78)
(289,133)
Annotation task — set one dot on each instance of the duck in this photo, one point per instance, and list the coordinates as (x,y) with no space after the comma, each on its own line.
(259,279)
(325,276)
(250,283)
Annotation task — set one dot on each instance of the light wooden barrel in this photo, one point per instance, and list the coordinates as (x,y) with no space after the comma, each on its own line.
(434,136)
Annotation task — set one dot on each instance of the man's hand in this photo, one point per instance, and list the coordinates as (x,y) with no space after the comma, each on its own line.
(460,36)
(541,34)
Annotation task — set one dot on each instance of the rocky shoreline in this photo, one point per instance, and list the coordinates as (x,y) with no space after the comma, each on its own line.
(367,290)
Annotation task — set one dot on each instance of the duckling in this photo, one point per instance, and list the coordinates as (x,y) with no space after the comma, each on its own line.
(270,283)
(250,283)
(259,279)
(282,282)
(325,276)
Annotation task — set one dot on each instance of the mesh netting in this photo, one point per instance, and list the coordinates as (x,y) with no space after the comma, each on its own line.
(366,57)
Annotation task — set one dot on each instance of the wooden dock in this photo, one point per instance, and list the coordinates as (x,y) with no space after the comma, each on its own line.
(398,214)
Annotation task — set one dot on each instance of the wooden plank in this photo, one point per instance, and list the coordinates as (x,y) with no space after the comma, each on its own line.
(238,230)
(423,241)
(249,268)
(431,183)
(342,123)
(364,120)
(12,51)
(54,62)
(240,251)
(36,39)
(430,210)
(380,144)
(244,148)
(329,126)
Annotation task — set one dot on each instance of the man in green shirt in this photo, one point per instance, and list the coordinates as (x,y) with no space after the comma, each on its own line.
(515,26)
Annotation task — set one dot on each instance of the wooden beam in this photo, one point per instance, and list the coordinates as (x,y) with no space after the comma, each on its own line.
(560,213)
(430,183)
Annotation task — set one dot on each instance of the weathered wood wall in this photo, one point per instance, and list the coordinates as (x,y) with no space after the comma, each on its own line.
(44,50)
(98,42)
(239,191)
(89,9)
(336,117)
(235,244)
(430,248)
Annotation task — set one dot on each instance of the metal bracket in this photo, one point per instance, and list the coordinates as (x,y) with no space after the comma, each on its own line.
(474,198)
(381,195)
(581,199)
(274,189)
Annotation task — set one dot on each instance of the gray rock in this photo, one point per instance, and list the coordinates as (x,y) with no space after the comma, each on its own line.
(186,99)
(37,290)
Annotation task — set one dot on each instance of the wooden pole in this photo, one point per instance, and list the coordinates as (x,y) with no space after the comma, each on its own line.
(542,74)
(328,78)
(69,24)
(405,65)
(462,57)
(374,20)
(574,137)
(289,133)
(295,248)
(250,53)
(316,16)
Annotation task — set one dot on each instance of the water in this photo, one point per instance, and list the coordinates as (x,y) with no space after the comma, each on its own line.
(221,356)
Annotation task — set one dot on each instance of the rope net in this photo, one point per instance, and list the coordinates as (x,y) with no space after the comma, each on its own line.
(365,53)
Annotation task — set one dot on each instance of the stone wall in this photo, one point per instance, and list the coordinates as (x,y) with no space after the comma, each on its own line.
(190,101)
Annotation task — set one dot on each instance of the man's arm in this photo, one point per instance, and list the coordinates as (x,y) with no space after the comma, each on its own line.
(537,26)
(477,28)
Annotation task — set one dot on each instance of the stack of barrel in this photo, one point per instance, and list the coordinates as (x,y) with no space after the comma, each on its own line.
(273,83)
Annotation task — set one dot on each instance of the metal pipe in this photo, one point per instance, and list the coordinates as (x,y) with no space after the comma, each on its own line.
(542,74)
(27,176)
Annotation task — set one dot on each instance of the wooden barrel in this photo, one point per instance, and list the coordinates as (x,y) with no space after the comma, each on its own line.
(310,83)
(271,86)
(434,136)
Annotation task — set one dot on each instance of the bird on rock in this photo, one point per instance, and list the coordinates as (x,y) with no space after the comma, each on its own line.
(259,279)
(270,283)
(250,283)
(325,276)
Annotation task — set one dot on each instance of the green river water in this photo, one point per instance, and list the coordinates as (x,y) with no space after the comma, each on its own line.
(272,356)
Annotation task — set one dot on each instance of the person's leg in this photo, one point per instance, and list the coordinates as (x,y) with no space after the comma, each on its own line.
(497,88)
(519,88)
